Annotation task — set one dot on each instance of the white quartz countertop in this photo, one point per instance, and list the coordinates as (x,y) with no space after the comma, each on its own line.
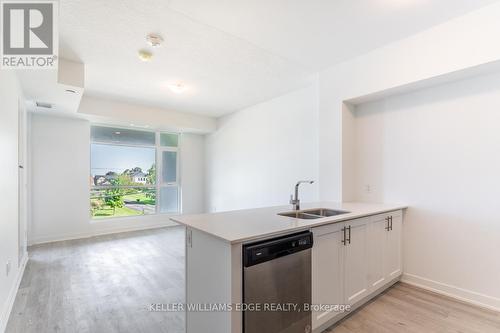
(250,224)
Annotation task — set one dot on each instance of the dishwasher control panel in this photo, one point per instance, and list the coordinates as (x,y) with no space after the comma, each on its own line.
(266,250)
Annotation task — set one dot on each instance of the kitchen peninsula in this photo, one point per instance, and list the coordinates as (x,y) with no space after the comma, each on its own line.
(349,253)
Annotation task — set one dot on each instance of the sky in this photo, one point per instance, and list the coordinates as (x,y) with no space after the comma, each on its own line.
(104,158)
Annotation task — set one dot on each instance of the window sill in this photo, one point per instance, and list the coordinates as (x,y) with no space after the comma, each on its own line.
(151,217)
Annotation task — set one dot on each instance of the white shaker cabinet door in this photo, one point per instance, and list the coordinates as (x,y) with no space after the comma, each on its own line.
(356,285)
(377,249)
(393,255)
(327,270)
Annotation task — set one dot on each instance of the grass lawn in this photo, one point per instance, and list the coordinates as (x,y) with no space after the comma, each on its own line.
(140,198)
(108,212)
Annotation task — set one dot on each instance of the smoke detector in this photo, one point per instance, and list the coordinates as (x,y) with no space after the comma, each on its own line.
(154,40)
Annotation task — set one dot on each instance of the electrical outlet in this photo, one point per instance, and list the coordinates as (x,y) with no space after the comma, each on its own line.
(368,188)
(7,268)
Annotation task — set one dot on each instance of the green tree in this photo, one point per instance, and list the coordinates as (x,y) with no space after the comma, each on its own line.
(130,172)
(151,180)
(123,180)
(151,175)
(113,198)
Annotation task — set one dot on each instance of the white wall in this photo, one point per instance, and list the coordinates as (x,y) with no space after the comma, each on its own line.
(454,50)
(258,154)
(192,167)
(447,51)
(60,152)
(119,113)
(59,178)
(10,95)
(438,151)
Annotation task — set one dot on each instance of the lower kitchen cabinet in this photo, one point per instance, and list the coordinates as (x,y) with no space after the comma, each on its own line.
(353,260)
(384,247)
(394,263)
(356,260)
(377,249)
(327,270)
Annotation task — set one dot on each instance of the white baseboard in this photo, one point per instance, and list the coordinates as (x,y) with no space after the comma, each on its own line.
(464,295)
(4,318)
(107,231)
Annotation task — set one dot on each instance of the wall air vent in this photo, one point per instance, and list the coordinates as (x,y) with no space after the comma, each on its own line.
(44,105)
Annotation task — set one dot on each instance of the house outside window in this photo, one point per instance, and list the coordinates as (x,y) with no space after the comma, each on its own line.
(124,180)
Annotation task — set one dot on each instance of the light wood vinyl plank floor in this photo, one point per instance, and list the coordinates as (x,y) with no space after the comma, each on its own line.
(103,284)
(106,283)
(404,308)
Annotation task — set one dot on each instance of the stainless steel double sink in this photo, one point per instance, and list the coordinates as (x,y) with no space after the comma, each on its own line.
(314,213)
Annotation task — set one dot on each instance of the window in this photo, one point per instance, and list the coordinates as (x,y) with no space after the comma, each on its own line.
(123,176)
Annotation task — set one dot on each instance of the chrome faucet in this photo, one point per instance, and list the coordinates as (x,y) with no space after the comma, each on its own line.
(295,201)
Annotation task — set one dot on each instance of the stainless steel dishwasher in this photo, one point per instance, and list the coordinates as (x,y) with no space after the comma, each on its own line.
(277,276)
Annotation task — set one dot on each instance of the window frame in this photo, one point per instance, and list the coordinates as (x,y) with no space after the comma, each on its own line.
(159,167)
(159,149)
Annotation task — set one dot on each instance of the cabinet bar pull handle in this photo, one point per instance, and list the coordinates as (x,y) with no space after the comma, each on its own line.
(388,226)
(391,222)
(349,234)
(189,238)
(344,238)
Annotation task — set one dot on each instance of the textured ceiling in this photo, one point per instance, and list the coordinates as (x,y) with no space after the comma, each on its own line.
(319,33)
(230,53)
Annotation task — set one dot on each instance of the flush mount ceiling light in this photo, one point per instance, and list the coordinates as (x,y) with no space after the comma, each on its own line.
(145,55)
(154,40)
(177,88)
